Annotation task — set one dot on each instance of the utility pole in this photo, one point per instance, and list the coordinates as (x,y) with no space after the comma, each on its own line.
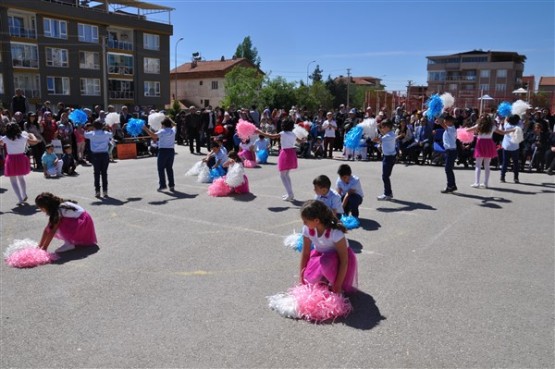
(409,85)
(348,87)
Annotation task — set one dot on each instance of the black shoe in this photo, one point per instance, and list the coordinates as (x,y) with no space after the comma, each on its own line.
(516,180)
(172,189)
(449,189)
(161,188)
(502,179)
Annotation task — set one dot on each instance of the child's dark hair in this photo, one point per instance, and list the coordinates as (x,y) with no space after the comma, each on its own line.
(52,204)
(513,119)
(98,124)
(167,122)
(344,170)
(214,144)
(261,137)
(314,209)
(287,125)
(387,123)
(48,146)
(67,146)
(485,124)
(322,181)
(234,156)
(13,131)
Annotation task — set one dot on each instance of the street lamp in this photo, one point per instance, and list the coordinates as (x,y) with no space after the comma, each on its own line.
(177,43)
(308,66)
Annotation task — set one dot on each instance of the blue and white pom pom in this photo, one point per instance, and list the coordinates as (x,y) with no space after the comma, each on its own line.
(435,107)
(134,127)
(294,241)
(349,221)
(78,117)
(352,138)
(504,109)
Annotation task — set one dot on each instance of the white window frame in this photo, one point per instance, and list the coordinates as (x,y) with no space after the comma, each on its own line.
(151,41)
(215,85)
(83,34)
(60,32)
(86,65)
(29,22)
(484,87)
(27,50)
(90,86)
(52,53)
(485,73)
(116,68)
(501,73)
(152,84)
(151,65)
(32,89)
(65,85)
(500,87)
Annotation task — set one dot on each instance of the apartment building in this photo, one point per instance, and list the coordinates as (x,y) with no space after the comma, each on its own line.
(84,53)
(470,75)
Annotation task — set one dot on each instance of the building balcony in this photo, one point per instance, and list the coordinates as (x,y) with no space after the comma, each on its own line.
(23,32)
(120,45)
(120,70)
(25,63)
(125,95)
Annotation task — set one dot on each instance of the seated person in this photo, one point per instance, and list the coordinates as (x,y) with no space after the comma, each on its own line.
(69,164)
(51,165)
(217,155)
(318,147)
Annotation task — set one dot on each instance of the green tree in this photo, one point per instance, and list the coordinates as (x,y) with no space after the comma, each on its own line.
(277,93)
(242,86)
(247,51)
(314,97)
(316,76)
(338,90)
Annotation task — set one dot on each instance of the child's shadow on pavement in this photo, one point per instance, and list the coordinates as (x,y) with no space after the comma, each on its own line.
(76,254)
(365,314)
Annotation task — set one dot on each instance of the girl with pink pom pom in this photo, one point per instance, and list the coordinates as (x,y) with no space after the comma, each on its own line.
(331,261)
(66,221)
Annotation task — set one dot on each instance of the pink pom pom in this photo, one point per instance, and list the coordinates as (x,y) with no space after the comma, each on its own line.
(464,136)
(315,302)
(245,129)
(249,163)
(30,258)
(244,187)
(219,188)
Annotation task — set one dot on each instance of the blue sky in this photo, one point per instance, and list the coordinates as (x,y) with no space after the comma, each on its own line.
(384,39)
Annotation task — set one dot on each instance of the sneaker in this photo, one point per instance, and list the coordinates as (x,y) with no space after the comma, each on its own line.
(475,185)
(288,198)
(384,198)
(502,180)
(161,189)
(483,185)
(65,247)
(105,194)
(97,194)
(172,189)
(516,180)
(449,189)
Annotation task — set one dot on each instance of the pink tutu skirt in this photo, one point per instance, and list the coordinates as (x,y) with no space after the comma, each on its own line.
(287,159)
(77,231)
(485,148)
(247,155)
(324,267)
(17,165)
(244,188)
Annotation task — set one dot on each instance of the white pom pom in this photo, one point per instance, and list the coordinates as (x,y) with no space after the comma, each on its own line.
(517,136)
(195,170)
(235,176)
(448,100)
(112,118)
(20,245)
(300,132)
(519,107)
(369,128)
(155,121)
(292,240)
(204,174)
(285,304)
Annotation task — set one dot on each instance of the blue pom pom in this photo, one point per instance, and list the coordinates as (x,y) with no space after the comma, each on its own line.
(435,107)
(135,126)
(216,172)
(504,109)
(352,138)
(349,221)
(78,117)
(299,246)
(262,156)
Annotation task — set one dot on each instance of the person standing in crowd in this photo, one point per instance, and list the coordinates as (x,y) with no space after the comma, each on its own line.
(32,126)
(329,127)
(99,142)
(166,152)
(49,127)
(511,150)
(450,145)
(19,102)
(193,122)
(17,164)
(389,155)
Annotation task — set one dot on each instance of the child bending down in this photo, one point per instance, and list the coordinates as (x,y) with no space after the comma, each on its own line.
(66,221)
(332,261)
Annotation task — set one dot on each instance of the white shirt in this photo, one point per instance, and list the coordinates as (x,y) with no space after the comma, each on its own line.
(70,213)
(329,128)
(166,138)
(288,139)
(353,184)
(325,244)
(17,146)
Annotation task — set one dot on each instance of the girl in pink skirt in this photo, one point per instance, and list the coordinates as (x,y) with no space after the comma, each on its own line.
(332,261)
(485,148)
(67,221)
(17,164)
(287,158)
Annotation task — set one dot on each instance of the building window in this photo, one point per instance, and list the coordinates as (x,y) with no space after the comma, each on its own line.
(484,87)
(152,88)
(22,25)
(57,57)
(500,87)
(484,73)
(90,86)
(120,64)
(437,76)
(152,65)
(453,87)
(214,85)
(25,55)
(57,85)
(501,73)
(475,59)
(151,42)
(200,83)
(1,84)
(89,60)
(121,89)
(55,28)
(88,33)
(469,75)
(29,83)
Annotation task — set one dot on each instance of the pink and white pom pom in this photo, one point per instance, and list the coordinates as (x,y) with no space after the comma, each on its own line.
(155,121)
(249,163)
(195,169)
(300,132)
(26,254)
(464,136)
(313,302)
(111,119)
(235,176)
(219,188)
(448,100)
(245,129)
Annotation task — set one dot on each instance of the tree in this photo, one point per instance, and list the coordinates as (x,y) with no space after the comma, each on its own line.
(277,93)
(338,89)
(314,97)
(247,51)
(316,76)
(242,86)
